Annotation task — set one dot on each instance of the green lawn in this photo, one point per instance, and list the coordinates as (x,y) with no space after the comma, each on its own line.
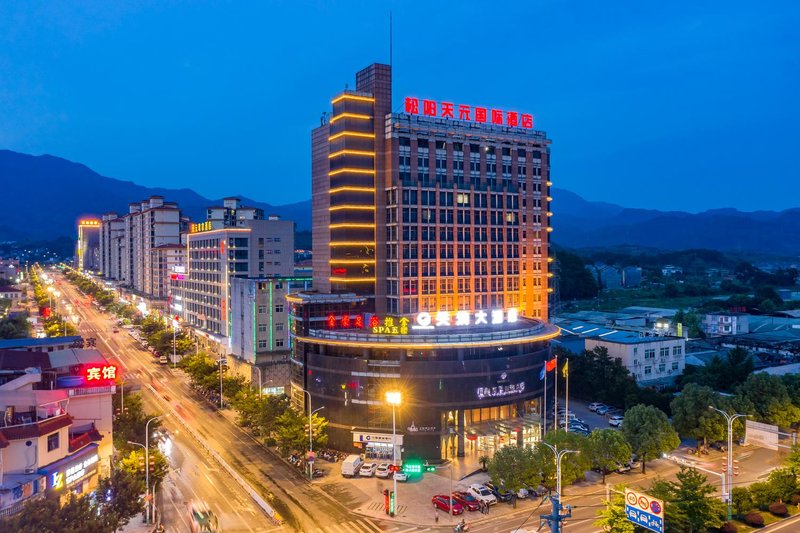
(769,518)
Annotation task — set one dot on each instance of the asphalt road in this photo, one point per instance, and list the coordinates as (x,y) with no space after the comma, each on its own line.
(195,474)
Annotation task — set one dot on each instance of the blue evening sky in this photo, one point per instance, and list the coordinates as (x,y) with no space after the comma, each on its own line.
(671,105)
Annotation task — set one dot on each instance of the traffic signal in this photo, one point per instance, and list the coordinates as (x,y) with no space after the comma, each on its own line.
(412,467)
(394,468)
(141,463)
(430,468)
(152,463)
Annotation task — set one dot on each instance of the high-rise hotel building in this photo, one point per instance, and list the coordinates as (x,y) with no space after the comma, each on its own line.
(430,207)
(430,241)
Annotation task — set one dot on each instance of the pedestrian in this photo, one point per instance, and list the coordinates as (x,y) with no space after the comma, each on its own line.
(436,514)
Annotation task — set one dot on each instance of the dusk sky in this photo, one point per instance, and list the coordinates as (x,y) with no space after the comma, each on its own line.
(668,105)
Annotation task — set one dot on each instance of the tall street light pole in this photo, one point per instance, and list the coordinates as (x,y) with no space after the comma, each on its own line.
(559,455)
(394,398)
(310,435)
(147,458)
(260,386)
(730,419)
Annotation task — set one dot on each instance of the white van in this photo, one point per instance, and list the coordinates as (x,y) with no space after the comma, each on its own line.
(351,465)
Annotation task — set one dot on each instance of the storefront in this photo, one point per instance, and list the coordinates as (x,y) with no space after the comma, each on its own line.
(74,473)
(378,446)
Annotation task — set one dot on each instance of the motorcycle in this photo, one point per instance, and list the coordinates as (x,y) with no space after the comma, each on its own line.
(461,527)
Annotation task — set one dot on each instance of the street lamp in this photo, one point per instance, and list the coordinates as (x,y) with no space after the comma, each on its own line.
(260,390)
(558,456)
(146,447)
(310,440)
(394,398)
(730,419)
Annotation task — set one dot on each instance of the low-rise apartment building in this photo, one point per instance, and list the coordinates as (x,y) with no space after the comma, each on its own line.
(651,360)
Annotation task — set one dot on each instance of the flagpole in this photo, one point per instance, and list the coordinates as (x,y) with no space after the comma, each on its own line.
(566,398)
(544,409)
(555,398)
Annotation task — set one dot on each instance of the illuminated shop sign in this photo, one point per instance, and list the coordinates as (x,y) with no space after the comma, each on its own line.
(203,226)
(100,373)
(432,108)
(344,321)
(500,390)
(74,472)
(389,325)
(427,320)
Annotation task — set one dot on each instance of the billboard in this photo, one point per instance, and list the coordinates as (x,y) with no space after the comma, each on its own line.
(644,511)
(759,434)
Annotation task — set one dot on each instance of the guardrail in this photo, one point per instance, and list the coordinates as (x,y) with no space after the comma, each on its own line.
(271,513)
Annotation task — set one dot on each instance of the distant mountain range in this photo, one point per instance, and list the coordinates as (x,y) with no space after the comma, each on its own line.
(45,195)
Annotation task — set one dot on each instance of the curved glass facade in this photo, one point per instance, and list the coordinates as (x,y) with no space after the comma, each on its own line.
(454,387)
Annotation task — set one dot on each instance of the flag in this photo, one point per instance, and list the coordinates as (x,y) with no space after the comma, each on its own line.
(541,374)
(551,364)
(565,369)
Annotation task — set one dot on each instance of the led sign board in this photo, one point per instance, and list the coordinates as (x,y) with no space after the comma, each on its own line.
(432,108)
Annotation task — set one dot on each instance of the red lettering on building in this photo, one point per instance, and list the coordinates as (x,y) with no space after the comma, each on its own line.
(497,116)
(512,119)
(412,106)
(447,110)
(358,322)
(429,108)
(331,321)
(480,114)
(527,121)
(345,321)
(463,112)
(374,321)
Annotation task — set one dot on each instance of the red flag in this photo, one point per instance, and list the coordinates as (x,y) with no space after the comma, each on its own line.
(551,364)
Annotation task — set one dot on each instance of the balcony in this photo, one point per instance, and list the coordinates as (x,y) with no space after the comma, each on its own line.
(26,425)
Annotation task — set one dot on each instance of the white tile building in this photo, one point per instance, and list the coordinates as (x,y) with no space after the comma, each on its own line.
(649,359)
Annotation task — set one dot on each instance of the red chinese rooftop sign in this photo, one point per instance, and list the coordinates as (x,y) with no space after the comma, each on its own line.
(100,374)
(432,108)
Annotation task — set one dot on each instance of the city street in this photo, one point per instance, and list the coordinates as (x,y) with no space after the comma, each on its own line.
(330,505)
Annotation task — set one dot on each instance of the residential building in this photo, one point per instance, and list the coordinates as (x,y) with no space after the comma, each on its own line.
(422,212)
(87,247)
(220,249)
(11,293)
(608,277)
(9,269)
(651,360)
(44,344)
(631,277)
(671,270)
(113,249)
(260,327)
(165,260)
(57,428)
(717,324)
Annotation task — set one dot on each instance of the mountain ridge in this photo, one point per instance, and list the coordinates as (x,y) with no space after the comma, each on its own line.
(62,198)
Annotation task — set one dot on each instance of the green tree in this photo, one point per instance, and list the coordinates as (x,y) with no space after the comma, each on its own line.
(691,416)
(648,432)
(770,399)
(612,518)
(573,466)
(121,496)
(292,431)
(742,501)
(689,504)
(130,424)
(515,466)
(133,465)
(606,449)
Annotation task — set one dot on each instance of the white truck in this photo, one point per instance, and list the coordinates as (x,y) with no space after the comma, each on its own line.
(351,465)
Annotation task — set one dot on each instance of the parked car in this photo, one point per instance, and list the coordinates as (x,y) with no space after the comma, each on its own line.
(614,412)
(616,421)
(162,360)
(367,469)
(621,469)
(383,470)
(594,406)
(522,493)
(467,501)
(499,493)
(441,501)
(602,410)
(483,494)
(401,476)
(115,330)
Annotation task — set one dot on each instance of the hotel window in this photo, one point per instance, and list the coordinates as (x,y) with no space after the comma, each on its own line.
(262,328)
(262,344)
(650,353)
(262,309)
(52,442)
(648,370)
(662,368)
(674,366)
(664,352)
(278,343)
(462,198)
(677,350)
(279,326)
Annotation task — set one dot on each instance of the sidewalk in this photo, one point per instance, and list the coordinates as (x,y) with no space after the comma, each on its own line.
(137,525)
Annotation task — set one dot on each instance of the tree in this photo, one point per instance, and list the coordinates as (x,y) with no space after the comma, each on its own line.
(613,518)
(514,466)
(573,466)
(648,432)
(292,431)
(130,424)
(691,416)
(689,504)
(133,464)
(770,399)
(121,496)
(606,449)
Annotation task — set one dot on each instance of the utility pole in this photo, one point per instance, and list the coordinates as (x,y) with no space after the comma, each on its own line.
(554,519)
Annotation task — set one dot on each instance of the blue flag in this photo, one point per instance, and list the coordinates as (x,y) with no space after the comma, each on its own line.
(541,374)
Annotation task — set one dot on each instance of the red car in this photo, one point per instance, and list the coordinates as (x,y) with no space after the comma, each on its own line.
(440,501)
(467,500)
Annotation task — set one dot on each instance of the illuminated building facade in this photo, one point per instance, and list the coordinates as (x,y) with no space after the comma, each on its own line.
(87,249)
(430,231)
(218,250)
(441,207)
